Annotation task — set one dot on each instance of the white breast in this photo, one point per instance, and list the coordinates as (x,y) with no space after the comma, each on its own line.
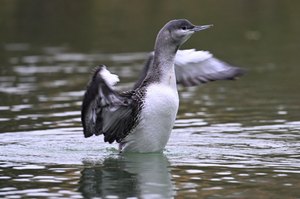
(157,120)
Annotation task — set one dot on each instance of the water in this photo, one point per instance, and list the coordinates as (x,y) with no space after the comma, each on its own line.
(232,139)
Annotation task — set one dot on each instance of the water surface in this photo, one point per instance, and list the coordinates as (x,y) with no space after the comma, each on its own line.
(232,139)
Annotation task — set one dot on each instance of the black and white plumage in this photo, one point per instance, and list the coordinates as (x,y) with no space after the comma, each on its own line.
(141,120)
(105,111)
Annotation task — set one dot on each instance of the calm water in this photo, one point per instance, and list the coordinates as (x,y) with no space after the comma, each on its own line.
(232,139)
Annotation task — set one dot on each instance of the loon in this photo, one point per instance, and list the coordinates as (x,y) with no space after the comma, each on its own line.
(141,119)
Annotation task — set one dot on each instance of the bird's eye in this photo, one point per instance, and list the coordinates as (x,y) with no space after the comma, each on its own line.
(183,27)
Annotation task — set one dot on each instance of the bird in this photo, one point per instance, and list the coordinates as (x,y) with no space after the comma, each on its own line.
(142,118)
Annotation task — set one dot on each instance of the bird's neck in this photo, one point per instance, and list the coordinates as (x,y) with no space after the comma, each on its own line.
(165,49)
(163,60)
(162,69)
(163,66)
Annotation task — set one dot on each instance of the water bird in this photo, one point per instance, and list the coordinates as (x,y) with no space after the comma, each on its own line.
(141,119)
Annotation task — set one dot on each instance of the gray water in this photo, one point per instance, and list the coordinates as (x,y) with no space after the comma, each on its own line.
(231,139)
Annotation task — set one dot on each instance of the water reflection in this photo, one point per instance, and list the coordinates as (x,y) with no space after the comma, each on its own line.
(228,160)
(129,175)
(124,177)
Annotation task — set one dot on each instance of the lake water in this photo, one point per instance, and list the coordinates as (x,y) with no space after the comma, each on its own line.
(232,139)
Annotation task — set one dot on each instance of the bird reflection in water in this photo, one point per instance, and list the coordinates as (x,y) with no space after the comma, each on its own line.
(128,175)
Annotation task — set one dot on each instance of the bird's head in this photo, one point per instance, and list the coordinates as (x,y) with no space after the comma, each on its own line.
(176,32)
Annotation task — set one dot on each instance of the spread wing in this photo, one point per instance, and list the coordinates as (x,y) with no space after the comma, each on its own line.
(196,67)
(105,111)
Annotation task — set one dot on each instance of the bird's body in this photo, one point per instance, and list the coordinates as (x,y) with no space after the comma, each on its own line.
(156,121)
(157,116)
(142,119)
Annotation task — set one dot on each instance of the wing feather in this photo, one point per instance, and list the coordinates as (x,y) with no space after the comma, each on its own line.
(105,111)
(197,67)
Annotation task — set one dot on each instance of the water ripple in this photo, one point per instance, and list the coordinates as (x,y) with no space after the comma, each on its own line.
(228,145)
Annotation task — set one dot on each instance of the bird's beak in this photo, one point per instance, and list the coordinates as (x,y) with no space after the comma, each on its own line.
(203,27)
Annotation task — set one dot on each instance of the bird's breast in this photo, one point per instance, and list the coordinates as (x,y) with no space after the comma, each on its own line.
(161,100)
(156,120)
